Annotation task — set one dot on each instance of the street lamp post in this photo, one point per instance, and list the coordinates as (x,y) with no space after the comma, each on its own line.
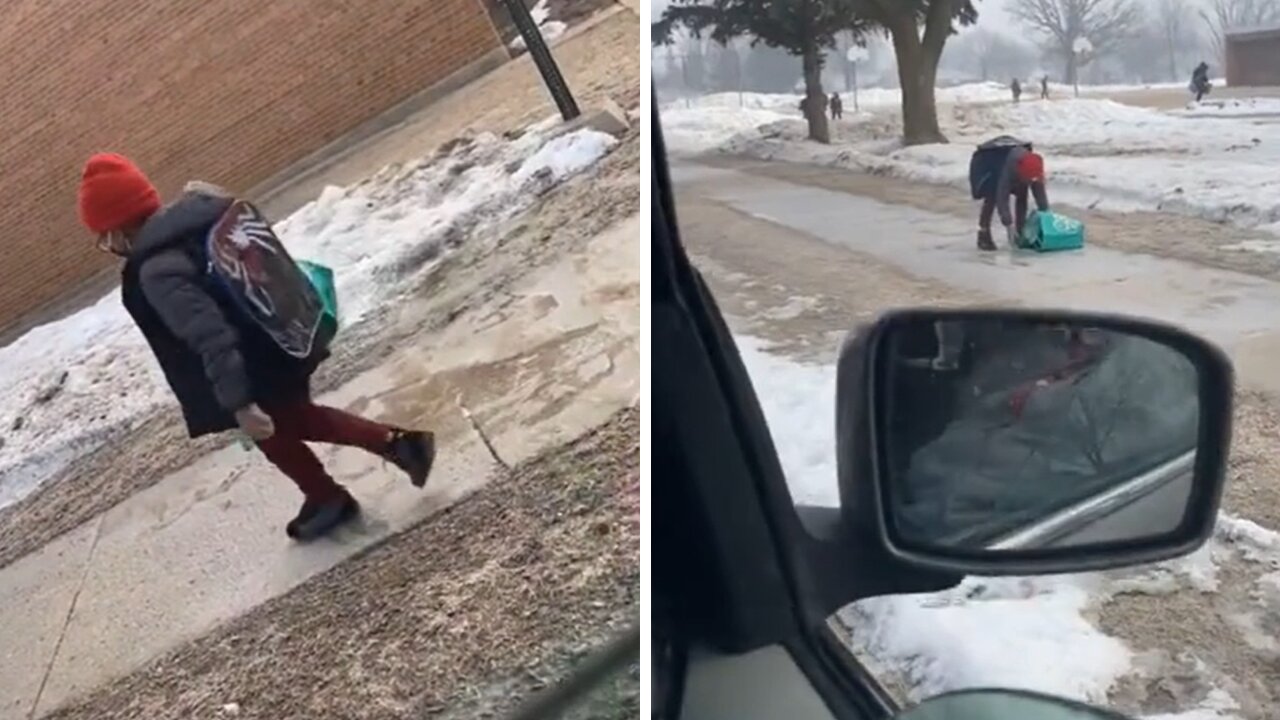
(1080,49)
(855,55)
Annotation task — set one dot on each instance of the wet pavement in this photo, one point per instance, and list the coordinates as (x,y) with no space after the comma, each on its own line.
(1232,309)
(536,367)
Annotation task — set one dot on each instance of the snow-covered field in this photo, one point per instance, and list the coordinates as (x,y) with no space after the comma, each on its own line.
(1031,633)
(70,386)
(1215,162)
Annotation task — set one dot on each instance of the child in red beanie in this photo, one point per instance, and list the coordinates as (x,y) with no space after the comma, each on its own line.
(224,368)
(1022,173)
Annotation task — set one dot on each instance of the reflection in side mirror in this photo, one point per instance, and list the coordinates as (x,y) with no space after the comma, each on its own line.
(1003,705)
(1006,435)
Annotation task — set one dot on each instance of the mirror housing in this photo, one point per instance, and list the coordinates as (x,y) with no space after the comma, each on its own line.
(1004,704)
(872,484)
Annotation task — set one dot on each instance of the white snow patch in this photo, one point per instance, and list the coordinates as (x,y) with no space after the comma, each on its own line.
(1025,633)
(793,308)
(376,235)
(798,401)
(566,155)
(550,29)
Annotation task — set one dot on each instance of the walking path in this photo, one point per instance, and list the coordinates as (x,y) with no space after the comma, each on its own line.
(1232,309)
(206,544)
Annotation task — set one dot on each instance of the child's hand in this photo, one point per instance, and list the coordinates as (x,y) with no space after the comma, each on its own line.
(255,423)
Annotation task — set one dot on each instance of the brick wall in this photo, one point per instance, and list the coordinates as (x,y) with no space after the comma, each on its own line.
(229,91)
(1253,59)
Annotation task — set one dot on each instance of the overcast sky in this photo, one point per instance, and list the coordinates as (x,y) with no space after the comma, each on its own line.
(991,15)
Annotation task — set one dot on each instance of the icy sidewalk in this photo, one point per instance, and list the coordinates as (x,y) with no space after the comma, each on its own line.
(529,370)
(1235,310)
(68,387)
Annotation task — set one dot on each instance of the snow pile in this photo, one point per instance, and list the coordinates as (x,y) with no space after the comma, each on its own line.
(1029,633)
(550,29)
(691,131)
(377,235)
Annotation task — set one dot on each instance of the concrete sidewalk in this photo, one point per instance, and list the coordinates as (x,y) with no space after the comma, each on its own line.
(206,544)
(1232,309)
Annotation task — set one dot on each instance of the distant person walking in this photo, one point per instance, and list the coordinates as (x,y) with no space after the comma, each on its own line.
(837,106)
(1200,84)
(1016,87)
(1044,87)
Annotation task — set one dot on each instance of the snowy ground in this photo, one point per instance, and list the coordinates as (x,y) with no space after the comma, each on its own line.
(68,387)
(1031,633)
(1213,161)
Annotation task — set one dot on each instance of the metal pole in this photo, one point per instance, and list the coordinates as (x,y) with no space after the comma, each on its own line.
(738,60)
(541,55)
(855,87)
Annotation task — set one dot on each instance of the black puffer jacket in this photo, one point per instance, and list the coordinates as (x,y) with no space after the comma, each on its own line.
(215,360)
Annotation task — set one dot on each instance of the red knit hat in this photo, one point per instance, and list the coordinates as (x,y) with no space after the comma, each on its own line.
(115,194)
(1031,167)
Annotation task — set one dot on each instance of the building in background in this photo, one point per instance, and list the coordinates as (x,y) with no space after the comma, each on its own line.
(1253,57)
(235,92)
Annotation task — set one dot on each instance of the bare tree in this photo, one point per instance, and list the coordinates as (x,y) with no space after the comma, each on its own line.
(809,29)
(1103,24)
(1225,15)
(1172,22)
(990,55)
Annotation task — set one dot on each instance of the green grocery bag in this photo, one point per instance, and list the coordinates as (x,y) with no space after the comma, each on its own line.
(321,278)
(1048,231)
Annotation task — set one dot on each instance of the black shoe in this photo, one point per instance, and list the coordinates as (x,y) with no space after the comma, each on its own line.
(318,518)
(413,452)
(985,242)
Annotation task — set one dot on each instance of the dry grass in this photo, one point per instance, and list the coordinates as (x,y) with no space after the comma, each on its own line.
(472,609)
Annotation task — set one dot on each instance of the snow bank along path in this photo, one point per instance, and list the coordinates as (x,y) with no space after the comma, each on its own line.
(1029,633)
(70,386)
(1210,162)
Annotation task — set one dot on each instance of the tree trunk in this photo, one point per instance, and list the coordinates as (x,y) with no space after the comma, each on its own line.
(917,74)
(815,98)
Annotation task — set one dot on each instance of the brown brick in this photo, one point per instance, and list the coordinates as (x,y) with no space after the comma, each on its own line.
(230,91)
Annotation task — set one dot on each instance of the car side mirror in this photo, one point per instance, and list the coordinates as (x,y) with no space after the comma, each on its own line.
(1011,442)
(1004,705)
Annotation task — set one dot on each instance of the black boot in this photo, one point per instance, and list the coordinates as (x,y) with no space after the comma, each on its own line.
(413,452)
(317,518)
(985,242)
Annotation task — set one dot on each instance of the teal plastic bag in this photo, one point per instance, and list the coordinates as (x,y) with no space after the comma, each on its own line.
(321,278)
(1050,232)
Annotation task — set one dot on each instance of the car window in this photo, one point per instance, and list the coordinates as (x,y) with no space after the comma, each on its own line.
(814,193)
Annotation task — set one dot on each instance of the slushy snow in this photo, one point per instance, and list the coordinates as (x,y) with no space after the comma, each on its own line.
(1100,153)
(1029,633)
(377,235)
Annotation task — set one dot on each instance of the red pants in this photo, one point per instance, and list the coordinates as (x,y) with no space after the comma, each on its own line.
(303,422)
